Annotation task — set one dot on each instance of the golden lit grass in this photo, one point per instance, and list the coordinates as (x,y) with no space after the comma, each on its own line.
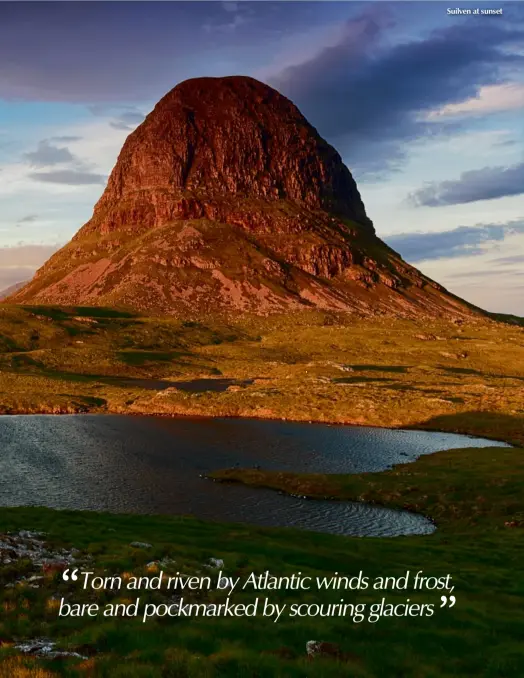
(20,667)
(311,366)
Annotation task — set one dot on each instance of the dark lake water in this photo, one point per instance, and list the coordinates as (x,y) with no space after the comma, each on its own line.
(152,465)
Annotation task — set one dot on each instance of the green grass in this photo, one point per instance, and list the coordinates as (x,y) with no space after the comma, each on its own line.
(315,366)
(481,635)
(473,488)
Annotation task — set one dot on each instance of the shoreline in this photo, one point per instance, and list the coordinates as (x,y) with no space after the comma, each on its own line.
(269,480)
(323,422)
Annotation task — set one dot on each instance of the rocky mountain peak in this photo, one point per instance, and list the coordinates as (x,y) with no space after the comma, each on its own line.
(226,199)
(233,136)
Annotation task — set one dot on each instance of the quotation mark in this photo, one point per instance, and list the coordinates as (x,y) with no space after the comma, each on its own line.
(444,599)
(67,577)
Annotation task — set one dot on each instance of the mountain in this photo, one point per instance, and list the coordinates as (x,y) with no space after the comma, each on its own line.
(226,199)
(8,291)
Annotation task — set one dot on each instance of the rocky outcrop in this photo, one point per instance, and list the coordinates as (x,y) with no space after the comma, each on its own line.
(226,199)
(211,138)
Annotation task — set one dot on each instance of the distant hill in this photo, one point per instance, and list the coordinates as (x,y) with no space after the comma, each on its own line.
(226,199)
(12,289)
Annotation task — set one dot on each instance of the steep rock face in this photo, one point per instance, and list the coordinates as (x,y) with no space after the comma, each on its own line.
(226,198)
(211,137)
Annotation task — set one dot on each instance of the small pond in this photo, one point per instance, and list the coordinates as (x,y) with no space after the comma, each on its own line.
(153,465)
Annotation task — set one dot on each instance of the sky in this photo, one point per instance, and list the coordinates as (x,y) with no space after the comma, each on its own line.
(425,107)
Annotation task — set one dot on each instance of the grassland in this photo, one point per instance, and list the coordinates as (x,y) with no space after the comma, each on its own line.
(456,377)
(312,366)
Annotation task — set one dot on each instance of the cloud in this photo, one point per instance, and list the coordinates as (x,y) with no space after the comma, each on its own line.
(483,273)
(91,52)
(369,95)
(506,143)
(489,99)
(237,19)
(124,118)
(102,109)
(70,177)
(487,183)
(509,261)
(127,120)
(463,241)
(65,139)
(69,169)
(46,154)
(29,219)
